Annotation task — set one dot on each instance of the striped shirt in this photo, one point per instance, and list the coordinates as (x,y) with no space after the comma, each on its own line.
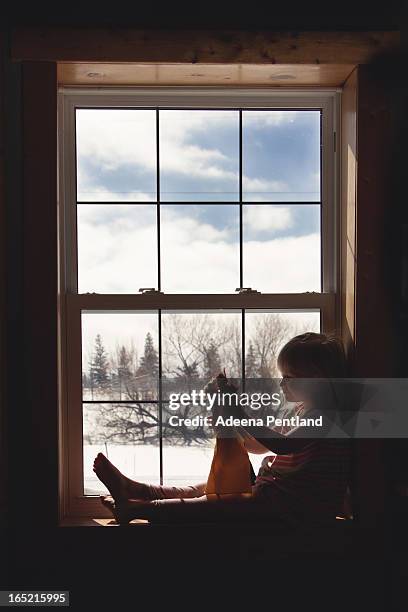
(310,483)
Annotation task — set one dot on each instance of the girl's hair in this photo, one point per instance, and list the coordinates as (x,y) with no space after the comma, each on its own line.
(314,355)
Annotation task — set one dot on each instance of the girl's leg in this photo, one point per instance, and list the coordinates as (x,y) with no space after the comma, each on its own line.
(167,492)
(122,488)
(191,510)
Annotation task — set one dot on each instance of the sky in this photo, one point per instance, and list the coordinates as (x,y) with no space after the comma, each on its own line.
(199,151)
(199,175)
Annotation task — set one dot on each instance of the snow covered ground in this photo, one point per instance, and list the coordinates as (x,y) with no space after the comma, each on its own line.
(183,465)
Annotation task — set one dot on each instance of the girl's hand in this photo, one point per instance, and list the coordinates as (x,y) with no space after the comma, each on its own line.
(224,384)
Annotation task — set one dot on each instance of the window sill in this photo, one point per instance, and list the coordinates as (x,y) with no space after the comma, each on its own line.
(85,521)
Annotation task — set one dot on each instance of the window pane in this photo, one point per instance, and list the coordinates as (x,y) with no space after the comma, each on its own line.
(117,248)
(200,248)
(281,251)
(267,332)
(187,451)
(128,434)
(197,345)
(120,359)
(281,156)
(187,465)
(116,155)
(199,155)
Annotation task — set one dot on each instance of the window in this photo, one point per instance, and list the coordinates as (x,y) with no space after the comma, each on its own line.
(174,202)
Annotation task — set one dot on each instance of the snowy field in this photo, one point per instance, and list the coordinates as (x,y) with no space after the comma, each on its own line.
(182,465)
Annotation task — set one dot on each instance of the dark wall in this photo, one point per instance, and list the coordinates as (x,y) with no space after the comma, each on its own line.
(346,15)
(12,205)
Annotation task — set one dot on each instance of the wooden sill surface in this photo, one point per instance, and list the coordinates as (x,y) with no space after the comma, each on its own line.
(85,521)
(79,521)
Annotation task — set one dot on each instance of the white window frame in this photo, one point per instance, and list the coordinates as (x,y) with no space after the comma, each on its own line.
(72,502)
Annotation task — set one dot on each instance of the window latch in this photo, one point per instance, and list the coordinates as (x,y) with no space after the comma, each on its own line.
(149,290)
(246,290)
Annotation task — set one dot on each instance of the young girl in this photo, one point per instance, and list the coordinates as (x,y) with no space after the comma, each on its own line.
(305,478)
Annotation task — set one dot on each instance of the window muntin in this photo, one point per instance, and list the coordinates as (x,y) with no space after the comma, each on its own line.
(126,299)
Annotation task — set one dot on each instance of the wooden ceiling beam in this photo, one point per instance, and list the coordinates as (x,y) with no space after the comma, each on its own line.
(63,44)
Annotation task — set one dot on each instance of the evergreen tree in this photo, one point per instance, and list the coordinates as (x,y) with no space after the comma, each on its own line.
(189,371)
(124,363)
(148,370)
(212,362)
(250,362)
(124,370)
(99,366)
(85,382)
(187,376)
(149,362)
(264,369)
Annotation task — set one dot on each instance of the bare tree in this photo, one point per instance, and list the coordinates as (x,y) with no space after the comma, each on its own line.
(188,339)
(193,346)
(270,332)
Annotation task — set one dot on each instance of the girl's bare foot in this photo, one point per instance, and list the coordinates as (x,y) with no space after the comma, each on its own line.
(111,477)
(118,485)
(109,503)
(122,511)
(112,506)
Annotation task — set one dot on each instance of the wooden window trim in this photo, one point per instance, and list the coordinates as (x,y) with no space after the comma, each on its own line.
(73,503)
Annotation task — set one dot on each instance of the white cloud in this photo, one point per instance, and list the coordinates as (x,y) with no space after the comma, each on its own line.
(100,194)
(266,218)
(116,248)
(267,118)
(181,229)
(255,185)
(283,265)
(194,161)
(112,138)
(119,256)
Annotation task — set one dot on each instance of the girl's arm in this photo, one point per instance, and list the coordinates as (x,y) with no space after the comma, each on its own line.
(250,443)
(260,439)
